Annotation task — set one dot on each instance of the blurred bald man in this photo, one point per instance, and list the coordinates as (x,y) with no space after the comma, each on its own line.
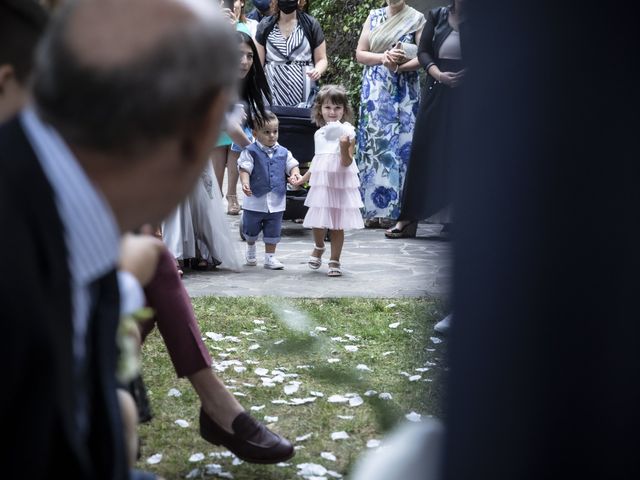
(128,97)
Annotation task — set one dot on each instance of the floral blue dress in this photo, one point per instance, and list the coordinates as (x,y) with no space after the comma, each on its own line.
(388,109)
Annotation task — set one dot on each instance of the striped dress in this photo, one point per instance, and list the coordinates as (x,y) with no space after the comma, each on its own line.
(286,64)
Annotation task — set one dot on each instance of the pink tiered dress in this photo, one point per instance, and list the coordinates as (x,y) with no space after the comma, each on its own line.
(334,197)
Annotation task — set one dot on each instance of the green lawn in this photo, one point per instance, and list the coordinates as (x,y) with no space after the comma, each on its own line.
(299,337)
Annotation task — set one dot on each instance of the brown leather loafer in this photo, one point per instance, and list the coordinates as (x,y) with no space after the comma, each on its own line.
(251,441)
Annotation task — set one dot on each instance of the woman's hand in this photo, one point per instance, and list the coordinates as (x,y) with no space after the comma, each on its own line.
(314,74)
(396,54)
(388,62)
(230,15)
(451,79)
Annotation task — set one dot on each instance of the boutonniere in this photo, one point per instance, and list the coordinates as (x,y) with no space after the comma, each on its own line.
(128,342)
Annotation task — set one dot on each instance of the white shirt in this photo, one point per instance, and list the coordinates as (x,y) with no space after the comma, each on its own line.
(271,201)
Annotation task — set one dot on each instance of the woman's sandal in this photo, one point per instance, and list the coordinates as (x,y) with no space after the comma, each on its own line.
(334,269)
(315,262)
(408,231)
(179,267)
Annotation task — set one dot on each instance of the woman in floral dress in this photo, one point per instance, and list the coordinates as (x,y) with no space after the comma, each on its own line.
(388,108)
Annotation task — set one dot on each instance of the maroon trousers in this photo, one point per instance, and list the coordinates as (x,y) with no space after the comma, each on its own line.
(175,319)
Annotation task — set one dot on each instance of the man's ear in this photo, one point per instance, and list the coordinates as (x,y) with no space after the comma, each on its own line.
(7,73)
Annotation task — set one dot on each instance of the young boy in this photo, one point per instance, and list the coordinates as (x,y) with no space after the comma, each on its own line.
(264,166)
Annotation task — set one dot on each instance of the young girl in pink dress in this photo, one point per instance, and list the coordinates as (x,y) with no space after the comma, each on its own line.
(334,198)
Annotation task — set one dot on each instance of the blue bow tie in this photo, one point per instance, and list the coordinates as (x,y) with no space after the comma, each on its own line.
(269,150)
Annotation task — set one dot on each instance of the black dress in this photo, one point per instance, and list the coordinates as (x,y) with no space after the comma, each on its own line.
(427,186)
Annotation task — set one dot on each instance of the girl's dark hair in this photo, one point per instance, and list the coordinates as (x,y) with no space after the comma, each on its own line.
(255,88)
(335,94)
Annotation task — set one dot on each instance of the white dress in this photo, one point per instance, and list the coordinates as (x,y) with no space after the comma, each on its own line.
(197,228)
(334,197)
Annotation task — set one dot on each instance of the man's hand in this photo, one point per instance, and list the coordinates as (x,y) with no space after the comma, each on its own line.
(139,256)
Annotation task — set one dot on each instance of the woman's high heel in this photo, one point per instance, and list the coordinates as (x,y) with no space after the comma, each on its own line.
(408,231)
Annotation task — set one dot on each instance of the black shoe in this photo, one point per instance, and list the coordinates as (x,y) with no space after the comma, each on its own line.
(408,231)
(251,441)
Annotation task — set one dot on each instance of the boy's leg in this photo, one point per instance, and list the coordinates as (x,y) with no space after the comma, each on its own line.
(251,226)
(272,228)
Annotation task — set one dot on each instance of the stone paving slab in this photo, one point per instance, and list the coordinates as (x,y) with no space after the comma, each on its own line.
(372,265)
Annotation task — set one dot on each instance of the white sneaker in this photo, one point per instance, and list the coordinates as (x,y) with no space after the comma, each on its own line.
(443,325)
(272,263)
(250,257)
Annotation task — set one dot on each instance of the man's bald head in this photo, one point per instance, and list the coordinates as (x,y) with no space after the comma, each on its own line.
(117,75)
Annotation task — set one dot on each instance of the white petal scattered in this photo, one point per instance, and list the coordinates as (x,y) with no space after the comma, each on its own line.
(181,423)
(232,339)
(283,464)
(291,388)
(255,346)
(214,336)
(351,348)
(240,369)
(308,469)
(174,392)
(237,461)
(346,417)
(269,419)
(435,340)
(225,475)
(363,367)
(373,443)
(279,402)
(328,456)
(239,394)
(408,330)
(426,369)
(385,396)
(196,457)
(252,362)
(315,477)
(333,474)
(212,469)
(153,459)
(351,337)
(250,385)
(278,342)
(302,438)
(224,355)
(302,401)
(337,399)
(405,374)
(430,349)
(394,325)
(257,408)
(321,329)
(356,401)
(195,473)
(337,339)
(391,305)
(333,360)
(342,435)
(413,417)
(259,322)
(316,394)
(303,367)
(388,353)
(370,393)
(261,372)
(415,378)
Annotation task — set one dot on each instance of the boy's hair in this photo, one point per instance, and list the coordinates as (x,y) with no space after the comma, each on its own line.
(337,95)
(22,23)
(268,117)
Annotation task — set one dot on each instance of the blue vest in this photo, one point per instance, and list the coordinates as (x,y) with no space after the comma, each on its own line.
(269,174)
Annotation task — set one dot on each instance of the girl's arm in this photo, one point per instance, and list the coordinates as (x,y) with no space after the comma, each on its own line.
(347,147)
(303,179)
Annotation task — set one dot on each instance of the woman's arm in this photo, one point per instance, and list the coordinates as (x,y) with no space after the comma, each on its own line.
(320,62)
(363,55)
(235,131)
(425,45)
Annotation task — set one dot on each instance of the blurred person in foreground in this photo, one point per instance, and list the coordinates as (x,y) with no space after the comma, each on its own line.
(124,111)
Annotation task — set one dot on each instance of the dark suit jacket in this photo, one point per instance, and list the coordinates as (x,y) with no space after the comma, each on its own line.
(38,402)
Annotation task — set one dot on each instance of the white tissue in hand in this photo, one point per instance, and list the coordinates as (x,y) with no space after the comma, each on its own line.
(333,131)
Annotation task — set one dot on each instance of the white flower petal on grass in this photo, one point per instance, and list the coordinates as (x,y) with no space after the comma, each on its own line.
(280,402)
(225,475)
(337,399)
(303,367)
(269,419)
(257,408)
(259,322)
(302,438)
(316,394)
(302,401)
(239,369)
(174,392)
(278,342)
(181,423)
(408,330)
(250,385)
(351,348)
(391,305)
(239,394)
(291,388)
(283,464)
(333,360)
(196,457)
(328,456)
(356,401)
(252,362)
(363,367)
(435,340)
(342,435)
(415,378)
(385,396)
(261,372)
(351,337)
(345,417)
(315,477)
(308,469)
(237,461)
(413,417)
(430,349)
(370,393)
(212,469)
(153,459)
(333,474)
(231,338)
(195,473)
(394,325)
(388,353)
(321,329)
(255,346)
(224,355)
(373,443)
(426,369)
(216,337)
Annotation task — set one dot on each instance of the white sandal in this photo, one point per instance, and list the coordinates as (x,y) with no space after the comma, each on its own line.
(334,269)
(315,262)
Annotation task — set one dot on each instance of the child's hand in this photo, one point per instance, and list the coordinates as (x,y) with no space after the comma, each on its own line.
(246,189)
(345,142)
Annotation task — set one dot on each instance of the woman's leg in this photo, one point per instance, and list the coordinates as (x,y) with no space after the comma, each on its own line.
(232,172)
(219,160)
